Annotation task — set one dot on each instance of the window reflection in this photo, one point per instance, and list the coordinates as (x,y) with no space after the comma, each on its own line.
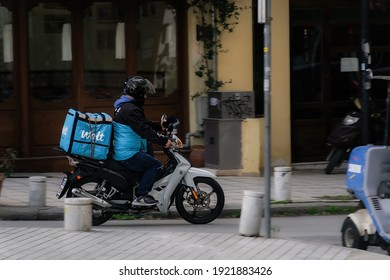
(50,52)
(156,49)
(306,64)
(104,50)
(6,54)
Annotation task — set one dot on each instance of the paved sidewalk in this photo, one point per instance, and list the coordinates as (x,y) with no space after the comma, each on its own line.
(310,189)
(102,243)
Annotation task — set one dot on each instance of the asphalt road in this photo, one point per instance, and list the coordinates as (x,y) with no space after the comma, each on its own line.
(313,229)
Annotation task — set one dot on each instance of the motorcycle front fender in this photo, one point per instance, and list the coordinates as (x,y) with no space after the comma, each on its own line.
(361,218)
(194,172)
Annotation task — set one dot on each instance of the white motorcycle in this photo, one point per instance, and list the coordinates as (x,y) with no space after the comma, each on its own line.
(197,196)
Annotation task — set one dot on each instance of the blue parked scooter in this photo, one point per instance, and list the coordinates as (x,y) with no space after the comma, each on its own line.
(368,179)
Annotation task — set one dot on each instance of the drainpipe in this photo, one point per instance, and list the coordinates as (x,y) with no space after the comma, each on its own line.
(187,143)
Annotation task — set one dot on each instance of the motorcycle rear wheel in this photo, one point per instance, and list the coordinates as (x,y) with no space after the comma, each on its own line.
(209,205)
(336,159)
(89,184)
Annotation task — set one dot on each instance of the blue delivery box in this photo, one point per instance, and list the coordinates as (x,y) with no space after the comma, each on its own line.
(86,134)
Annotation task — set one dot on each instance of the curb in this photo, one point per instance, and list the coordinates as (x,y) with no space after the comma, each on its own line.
(314,208)
(288,209)
(31,213)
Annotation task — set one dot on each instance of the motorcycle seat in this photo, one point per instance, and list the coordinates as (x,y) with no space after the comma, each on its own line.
(129,175)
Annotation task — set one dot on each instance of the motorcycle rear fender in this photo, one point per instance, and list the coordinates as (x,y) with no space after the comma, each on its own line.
(71,179)
(121,179)
(345,138)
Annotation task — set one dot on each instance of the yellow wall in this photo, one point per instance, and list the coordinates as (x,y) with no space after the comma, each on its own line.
(280,84)
(195,84)
(237,65)
(252,146)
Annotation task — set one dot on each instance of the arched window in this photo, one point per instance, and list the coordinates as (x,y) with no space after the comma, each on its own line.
(6,54)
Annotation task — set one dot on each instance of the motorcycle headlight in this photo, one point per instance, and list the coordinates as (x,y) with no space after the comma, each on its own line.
(349,120)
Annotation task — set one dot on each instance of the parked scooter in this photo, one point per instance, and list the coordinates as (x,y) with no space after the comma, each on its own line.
(197,196)
(347,135)
(344,137)
(368,179)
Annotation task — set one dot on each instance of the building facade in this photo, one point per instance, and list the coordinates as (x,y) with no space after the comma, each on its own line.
(57,55)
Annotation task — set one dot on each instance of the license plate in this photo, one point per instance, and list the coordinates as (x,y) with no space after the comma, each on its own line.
(63,183)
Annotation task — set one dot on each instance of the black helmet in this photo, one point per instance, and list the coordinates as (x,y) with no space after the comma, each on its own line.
(138,87)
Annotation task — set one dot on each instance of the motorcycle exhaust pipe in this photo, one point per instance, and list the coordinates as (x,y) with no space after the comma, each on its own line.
(95,200)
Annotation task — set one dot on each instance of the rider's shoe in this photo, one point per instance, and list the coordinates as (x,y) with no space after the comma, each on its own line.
(146,200)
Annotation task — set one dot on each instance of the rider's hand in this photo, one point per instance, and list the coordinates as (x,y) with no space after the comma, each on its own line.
(169,143)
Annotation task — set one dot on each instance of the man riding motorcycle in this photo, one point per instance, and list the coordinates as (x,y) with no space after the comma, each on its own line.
(133,132)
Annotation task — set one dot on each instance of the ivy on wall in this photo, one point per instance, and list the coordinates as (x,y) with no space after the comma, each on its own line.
(214,18)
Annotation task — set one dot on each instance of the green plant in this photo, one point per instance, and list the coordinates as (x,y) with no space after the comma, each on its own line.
(280,201)
(337,197)
(214,17)
(7,160)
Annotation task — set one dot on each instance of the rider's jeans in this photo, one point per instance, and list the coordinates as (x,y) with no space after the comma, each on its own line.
(146,164)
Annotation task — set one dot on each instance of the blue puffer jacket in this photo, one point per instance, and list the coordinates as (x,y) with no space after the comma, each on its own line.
(131,129)
(127,146)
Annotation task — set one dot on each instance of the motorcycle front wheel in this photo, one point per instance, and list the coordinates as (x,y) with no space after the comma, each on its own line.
(201,205)
(89,185)
(335,159)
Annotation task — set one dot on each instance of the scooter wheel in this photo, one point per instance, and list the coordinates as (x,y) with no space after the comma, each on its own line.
(207,207)
(351,237)
(335,160)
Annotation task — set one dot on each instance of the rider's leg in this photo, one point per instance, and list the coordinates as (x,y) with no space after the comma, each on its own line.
(142,162)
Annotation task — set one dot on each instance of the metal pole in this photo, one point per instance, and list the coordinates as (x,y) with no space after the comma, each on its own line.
(267,119)
(365,61)
(386,139)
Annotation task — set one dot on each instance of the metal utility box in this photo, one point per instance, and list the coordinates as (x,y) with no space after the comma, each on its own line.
(231,104)
(223,143)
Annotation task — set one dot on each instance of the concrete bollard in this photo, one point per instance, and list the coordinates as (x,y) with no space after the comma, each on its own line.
(251,213)
(78,214)
(282,177)
(37,195)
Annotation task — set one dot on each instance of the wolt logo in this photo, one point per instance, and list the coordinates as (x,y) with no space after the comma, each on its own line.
(93,136)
